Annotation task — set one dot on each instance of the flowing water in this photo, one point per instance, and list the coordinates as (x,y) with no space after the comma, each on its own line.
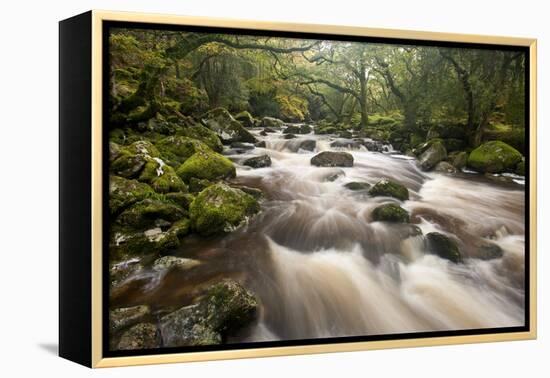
(321,268)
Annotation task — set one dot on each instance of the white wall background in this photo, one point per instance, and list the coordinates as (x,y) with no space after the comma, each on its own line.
(28,210)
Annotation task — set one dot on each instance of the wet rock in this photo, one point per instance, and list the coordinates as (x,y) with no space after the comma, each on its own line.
(144,213)
(258,161)
(356,185)
(140,336)
(308,145)
(176,148)
(459,159)
(390,213)
(443,246)
(494,157)
(263,133)
(432,155)
(290,136)
(261,144)
(388,188)
(345,143)
(373,146)
(228,128)
(121,271)
(271,122)
(206,165)
(268,130)
(245,118)
(334,175)
(242,146)
(121,318)
(489,251)
(124,243)
(124,193)
(304,129)
(292,129)
(332,159)
(220,208)
(173,262)
(226,308)
(444,167)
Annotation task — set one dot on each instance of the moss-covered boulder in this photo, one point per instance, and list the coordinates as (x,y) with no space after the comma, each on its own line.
(225,308)
(203,134)
(176,148)
(489,251)
(357,185)
(459,159)
(207,165)
(432,155)
(124,317)
(388,188)
(140,336)
(220,208)
(197,185)
(261,161)
(271,122)
(443,246)
(245,118)
(494,157)
(332,159)
(126,242)
(390,213)
(228,128)
(124,192)
(161,177)
(143,214)
(131,159)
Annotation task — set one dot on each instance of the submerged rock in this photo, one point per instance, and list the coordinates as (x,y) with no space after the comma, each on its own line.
(173,262)
(220,208)
(444,167)
(443,246)
(261,144)
(332,159)
(140,336)
(290,136)
(356,185)
(226,308)
(390,213)
(308,145)
(206,165)
(432,155)
(388,188)
(494,157)
(121,318)
(258,161)
(489,251)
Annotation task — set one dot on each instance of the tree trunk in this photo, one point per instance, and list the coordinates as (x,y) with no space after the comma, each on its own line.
(363,97)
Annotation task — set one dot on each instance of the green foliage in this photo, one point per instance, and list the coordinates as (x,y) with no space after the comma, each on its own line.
(292,108)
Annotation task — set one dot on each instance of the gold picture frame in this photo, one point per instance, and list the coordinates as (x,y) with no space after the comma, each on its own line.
(95,20)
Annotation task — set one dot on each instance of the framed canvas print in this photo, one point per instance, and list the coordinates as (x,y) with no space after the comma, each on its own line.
(234,189)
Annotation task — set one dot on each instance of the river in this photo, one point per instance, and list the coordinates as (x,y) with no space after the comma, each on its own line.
(321,268)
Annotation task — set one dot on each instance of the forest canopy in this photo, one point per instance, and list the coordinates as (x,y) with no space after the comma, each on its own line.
(392,92)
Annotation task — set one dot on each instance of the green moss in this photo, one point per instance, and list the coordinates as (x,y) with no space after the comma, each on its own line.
(245,118)
(220,208)
(180,228)
(390,213)
(204,135)
(515,137)
(177,149)
(443,246)
(494,157)
(520,168)
(388,188)
(143,214)
(123,193)
(206,165)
